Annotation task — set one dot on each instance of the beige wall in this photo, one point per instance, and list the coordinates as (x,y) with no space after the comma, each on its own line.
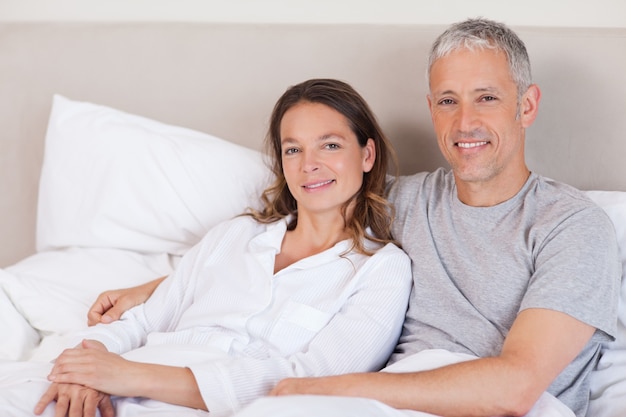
(576,13)
(120,63)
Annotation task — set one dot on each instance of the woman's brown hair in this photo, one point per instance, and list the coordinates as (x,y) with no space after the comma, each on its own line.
(371,208)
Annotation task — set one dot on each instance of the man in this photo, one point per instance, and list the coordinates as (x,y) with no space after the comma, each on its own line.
(512,270)
(510,267)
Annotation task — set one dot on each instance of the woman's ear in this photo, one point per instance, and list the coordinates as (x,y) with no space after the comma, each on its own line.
(369,155)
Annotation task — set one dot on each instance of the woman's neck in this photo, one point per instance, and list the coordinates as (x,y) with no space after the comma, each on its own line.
(312,235)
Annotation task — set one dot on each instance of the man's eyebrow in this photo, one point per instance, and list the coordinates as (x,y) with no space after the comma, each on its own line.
(437,95)
(476,90)
(487,90)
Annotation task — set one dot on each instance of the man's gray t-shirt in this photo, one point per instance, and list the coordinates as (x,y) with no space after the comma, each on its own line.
(476,268)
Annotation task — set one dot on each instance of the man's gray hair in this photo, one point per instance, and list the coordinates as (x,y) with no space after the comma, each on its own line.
(485,34)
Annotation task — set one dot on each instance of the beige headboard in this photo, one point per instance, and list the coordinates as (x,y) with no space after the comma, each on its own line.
(223,79)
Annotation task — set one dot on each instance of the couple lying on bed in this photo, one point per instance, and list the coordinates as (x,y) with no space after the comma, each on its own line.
(515,276)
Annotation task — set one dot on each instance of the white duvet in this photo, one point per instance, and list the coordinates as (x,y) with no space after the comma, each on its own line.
(48,294)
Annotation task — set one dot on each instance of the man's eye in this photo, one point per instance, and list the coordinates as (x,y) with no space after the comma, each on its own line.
(446,101)
(488,98)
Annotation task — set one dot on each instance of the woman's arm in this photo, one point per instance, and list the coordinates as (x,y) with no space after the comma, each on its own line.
(110,305)
(159,313)
(360,336)
(91,365)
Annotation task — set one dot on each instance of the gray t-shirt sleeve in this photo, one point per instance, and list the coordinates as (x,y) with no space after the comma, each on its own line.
(577,270)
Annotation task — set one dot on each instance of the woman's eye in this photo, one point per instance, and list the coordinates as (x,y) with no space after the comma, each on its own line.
(290,151)
(332,146)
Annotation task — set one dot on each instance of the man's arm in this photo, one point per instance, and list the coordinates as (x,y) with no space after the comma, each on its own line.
(539,346)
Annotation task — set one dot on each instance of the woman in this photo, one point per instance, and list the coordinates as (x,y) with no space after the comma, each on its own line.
(312,284)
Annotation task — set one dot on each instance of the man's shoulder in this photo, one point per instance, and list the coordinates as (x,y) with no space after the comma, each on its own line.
(555,202)
(439,174)
(558,195)
(406,186)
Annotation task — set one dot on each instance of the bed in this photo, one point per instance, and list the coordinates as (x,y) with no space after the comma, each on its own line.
(122,144)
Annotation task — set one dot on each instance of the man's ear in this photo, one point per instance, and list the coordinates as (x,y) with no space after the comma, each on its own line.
(529,106)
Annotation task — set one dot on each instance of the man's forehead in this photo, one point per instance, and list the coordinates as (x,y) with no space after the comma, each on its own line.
(468,52)
(482,69)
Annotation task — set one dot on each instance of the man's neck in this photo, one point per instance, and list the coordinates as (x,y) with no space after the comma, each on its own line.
(492,192)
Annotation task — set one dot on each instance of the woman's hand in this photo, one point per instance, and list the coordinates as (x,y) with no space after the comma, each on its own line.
(93,366)
(110,305)
(75,401)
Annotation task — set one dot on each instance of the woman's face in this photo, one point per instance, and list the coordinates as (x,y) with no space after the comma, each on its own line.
(323,162)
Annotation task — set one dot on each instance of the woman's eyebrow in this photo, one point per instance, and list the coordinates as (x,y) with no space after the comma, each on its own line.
(331,136)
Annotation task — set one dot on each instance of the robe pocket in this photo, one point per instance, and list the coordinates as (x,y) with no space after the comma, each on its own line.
(297,325)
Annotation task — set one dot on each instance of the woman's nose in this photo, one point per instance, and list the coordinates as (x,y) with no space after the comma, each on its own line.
(310,162)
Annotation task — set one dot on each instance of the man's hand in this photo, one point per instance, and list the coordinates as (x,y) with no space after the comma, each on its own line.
(110,305)
(76,401)
(310,385)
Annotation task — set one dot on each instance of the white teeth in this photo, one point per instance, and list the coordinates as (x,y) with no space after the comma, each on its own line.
(468,145)
(319,184)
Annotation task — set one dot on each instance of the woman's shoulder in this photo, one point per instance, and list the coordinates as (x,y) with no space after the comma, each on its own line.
(387,249)
(241,225)
(387,252)
(389,265)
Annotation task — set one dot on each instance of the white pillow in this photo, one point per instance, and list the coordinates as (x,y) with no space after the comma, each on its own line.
(116,180)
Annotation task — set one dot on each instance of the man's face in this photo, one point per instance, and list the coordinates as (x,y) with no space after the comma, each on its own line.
(477,117)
